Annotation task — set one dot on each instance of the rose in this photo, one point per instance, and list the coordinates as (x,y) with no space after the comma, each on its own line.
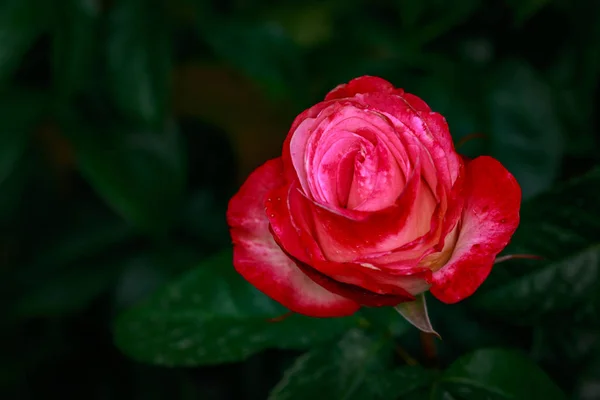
(370,205)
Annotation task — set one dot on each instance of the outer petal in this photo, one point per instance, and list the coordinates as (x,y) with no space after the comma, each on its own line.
(490,217)
(358,293)
(260,260)
(363,84)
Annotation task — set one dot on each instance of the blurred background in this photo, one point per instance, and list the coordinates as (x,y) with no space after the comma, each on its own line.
(126,126)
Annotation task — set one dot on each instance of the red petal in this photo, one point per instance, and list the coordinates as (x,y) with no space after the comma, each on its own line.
(363,84)
(426,248)
(260,260)
(296,237)
(347,239)
(490,217)
(285,233)
(357,293)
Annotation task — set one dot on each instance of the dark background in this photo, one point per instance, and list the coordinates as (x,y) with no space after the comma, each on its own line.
(126,125)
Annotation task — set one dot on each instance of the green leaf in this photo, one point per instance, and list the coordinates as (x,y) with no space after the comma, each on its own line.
(563,345)
(21,23)
(75,42)
(139,59)
(495,374)
(210,315)
(405,382)
(354,368)
(556,287)
(149,271)
(415,312)
(563,226)
(140,174)
(465,331)
(562,220)
(522,117)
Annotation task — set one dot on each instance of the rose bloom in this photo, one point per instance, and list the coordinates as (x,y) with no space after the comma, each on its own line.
(370,205)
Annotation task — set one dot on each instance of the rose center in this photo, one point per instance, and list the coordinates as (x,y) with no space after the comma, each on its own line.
(358,172)
(350,158)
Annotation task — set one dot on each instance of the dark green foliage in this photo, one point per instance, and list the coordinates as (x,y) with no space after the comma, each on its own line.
(126,126)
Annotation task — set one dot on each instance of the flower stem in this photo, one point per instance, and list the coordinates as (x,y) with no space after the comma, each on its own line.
(429,349)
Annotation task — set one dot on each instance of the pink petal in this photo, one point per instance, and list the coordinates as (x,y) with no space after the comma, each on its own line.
(490,217)
(310,113)
(375,159)
(258,258)
(297,150)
